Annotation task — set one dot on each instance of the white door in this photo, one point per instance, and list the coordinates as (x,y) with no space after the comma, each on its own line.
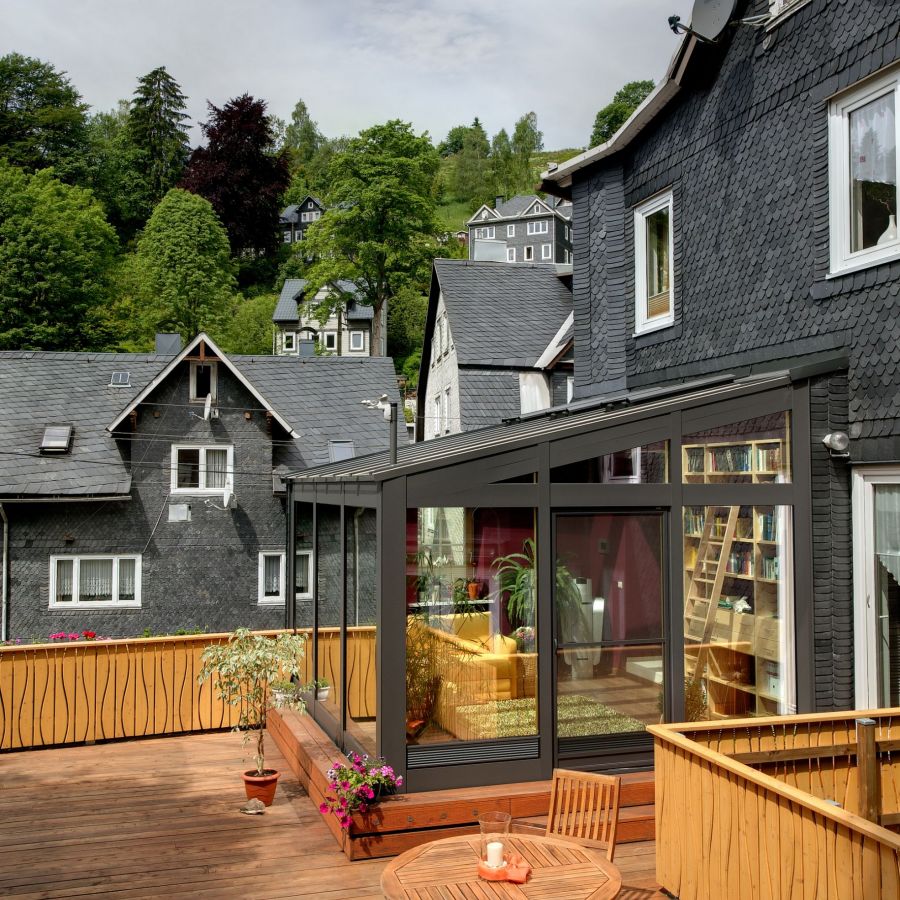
(876,577)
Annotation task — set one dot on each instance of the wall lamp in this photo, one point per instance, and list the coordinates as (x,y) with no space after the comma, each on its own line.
(838,443)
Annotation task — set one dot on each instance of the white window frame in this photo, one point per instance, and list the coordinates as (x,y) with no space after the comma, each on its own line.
(202,490)
(842,259)
(329,340)
(287,237)
(538,227)
(289,342)
(75,603)
(488,232)
(570,387)
(357,340)
(261,598)
(642,322)
(312,576)
(528,255)
(511,230)
(438,413)
(213,380)
(446,412)
(546,251)
(510,254)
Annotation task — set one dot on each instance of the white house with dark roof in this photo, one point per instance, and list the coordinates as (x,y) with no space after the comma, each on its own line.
(298,330)
(296,218)
(144,490)
(524,228)
(498,344)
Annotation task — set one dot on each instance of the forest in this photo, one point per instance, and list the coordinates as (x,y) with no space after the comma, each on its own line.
(112,227)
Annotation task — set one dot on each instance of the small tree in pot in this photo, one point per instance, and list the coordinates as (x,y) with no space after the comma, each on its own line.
(244,668)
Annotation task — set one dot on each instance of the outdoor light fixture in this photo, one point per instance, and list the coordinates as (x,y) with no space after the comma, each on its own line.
(389,410)
(838,443)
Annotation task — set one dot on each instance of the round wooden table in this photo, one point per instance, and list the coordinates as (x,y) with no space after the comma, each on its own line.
(560,868)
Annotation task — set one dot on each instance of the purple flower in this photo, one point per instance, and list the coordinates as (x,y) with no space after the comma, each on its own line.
(324,808)
(345,821)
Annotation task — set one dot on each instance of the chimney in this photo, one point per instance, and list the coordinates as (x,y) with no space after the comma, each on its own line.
(306,347)
(168,344)
(498,201)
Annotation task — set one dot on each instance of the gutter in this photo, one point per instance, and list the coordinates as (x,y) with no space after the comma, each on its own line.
(66,499)
(4,579)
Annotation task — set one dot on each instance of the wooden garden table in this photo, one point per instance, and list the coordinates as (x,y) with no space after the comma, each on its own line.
(447,868)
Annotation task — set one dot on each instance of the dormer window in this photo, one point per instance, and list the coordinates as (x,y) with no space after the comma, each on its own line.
(120,379)
(653,276)
(203,381)
(56,439)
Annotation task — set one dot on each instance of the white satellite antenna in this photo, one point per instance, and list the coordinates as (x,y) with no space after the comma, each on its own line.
(207,407)
(226,498)
(710,18)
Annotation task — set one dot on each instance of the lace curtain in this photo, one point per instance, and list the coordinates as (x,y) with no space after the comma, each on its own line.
(95,580)
(216,468)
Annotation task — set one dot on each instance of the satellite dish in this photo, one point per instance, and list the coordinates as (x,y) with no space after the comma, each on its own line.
(207,408)
(709,17)
(226,498)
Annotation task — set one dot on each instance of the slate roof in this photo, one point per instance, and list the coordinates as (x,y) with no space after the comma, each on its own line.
(42,388)
(320,396)
(501,314)
(487,396)
(517,206)
(286,308)
(289,214)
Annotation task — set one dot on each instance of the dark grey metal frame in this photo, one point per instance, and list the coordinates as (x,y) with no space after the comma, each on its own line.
(474,481)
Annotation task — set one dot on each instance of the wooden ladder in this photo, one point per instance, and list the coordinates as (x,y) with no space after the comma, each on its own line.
(702,574)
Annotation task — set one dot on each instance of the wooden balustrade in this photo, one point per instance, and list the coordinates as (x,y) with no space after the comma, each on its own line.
(767,807)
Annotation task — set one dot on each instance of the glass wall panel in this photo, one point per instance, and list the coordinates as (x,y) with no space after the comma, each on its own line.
(638,465)
(471,643)
(361,547)
(609,613)
(754,451)
(328,631)
(738,611)
(887,586)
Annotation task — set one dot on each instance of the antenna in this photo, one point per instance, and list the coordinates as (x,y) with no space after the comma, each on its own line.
(709,19)
(226,498)
(207,408)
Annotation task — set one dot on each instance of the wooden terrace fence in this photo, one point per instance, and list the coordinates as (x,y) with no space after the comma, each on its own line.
(776,807)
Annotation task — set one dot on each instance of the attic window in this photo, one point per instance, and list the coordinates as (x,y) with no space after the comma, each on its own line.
(340,450)
(56,439)
(203,381)
(120,379)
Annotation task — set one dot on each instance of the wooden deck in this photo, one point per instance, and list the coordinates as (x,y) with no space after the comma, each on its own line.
(160,817)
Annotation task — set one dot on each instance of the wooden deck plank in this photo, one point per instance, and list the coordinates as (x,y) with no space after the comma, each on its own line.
(159,817)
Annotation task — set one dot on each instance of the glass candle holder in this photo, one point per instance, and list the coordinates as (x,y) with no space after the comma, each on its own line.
(494,835)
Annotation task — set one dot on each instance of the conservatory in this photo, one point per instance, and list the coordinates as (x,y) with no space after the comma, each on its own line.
(499,602)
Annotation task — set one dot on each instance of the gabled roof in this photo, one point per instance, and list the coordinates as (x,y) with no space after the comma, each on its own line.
(561,342)
(224,360)
(519,206)
(289,214)
(286,309)
(499,314)
(479,215)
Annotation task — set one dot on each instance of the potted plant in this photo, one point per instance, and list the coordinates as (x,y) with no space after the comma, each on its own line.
(356,784)
(321,687)
(243,669)
(284,693)
(423,683)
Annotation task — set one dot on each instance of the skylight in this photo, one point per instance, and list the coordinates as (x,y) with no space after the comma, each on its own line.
(120,379)
(56,439)
(340,450)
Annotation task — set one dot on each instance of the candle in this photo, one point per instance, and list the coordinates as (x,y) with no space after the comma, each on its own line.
(495,854)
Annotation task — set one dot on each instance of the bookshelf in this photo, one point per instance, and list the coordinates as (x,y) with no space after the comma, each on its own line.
(751,461)
(732,626)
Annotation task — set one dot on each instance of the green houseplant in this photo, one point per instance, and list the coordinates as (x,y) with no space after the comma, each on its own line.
(243,670)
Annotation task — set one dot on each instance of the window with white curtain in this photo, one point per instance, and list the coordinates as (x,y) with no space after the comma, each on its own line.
(271,579)
(95,581)
(303,575)
(202,469)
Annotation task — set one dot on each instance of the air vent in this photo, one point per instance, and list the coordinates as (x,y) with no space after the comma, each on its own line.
(56,439)
(120,379)
(420,756)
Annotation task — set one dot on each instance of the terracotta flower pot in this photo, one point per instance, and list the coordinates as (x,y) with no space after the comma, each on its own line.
(473,587)
(261,787)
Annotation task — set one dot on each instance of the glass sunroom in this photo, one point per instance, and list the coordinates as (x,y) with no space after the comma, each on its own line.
(500,602)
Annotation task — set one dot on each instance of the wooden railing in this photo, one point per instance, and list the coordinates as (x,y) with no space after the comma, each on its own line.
(361,694)
(53,694)
(767,807)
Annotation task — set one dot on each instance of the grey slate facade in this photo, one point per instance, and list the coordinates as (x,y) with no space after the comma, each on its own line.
(508,221)
(743,144)
(296,218)
(112,494)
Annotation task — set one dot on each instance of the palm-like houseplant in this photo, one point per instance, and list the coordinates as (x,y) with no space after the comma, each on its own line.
(244,669)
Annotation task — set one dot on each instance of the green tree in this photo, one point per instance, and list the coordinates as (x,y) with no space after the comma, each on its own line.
(42,118)
(249,330)
(526,141)
(406,322)
(239,174)
(302,136)
(56,252)
(614,115)
(185,266)
(454,141)
(472,168)
(380,226)
(157,129)
(503,171)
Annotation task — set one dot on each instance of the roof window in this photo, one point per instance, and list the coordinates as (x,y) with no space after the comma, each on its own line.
(120,379)
(56,439)
(340,450)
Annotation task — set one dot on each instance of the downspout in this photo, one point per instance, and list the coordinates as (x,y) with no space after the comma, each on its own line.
(4,579)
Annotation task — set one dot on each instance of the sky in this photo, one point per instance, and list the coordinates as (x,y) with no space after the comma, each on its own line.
(435,63)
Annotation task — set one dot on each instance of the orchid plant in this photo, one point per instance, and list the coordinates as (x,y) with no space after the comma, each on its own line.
(356,784)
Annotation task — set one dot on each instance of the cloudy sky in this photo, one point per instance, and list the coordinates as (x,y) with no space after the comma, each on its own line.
(436,63)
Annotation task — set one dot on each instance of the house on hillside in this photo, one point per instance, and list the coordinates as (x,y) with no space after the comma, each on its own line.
(296,218)
(524,228)
(711,527)
(144,491)
(298,331)
(473,374)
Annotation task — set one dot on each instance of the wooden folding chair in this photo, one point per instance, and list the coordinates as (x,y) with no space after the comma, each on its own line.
(584,807)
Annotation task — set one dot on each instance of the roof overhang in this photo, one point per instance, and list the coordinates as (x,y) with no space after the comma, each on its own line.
(222,358)
(558,346)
